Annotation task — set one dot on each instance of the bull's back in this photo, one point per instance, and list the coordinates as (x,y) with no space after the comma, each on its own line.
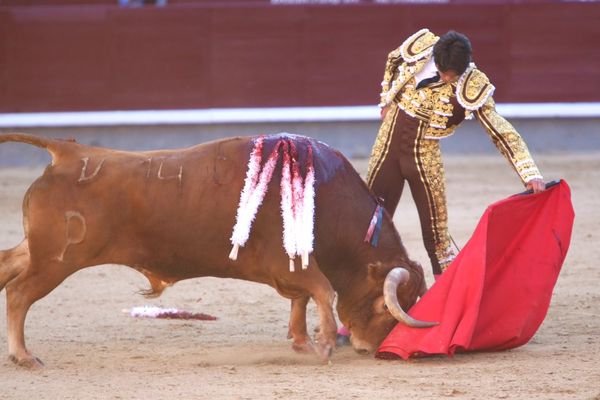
(135,207)
(172,212)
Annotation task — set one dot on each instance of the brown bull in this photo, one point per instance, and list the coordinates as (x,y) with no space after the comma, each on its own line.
(169,215)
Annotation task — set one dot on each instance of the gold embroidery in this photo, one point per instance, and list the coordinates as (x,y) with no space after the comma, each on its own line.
(473,88)
(418,45)
(429,104)
(389,74)
(428,158)
(403,62)
(508,141)
(381,146)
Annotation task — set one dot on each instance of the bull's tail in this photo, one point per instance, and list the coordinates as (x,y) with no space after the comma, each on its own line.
(38,141)
(51,145)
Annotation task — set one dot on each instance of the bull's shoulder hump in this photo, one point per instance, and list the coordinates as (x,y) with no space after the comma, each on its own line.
(329,162)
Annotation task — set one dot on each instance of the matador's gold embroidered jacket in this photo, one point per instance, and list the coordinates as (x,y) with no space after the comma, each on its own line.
(445,105)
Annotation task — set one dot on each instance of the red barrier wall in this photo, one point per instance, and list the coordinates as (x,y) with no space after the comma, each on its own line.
(200,55)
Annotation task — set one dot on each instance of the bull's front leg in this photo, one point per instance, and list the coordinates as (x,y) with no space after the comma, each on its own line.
(300,286)
(325,338)
(320,289)
(297,326)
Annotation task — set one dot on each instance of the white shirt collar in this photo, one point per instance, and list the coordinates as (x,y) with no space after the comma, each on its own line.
(428,71)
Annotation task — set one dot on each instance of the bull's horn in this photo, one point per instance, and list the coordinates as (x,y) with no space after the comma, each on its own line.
(394,278)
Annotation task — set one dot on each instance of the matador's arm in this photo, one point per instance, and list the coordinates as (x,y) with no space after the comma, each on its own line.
(389,74)
(508,141)
(414,49)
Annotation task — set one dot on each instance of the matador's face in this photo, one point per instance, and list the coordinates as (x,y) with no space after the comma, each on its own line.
(449,76)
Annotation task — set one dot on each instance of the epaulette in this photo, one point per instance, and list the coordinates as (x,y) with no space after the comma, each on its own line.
(473,88)
(418,46)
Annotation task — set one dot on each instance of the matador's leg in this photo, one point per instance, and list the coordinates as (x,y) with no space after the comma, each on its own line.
(385,177)
(428,188)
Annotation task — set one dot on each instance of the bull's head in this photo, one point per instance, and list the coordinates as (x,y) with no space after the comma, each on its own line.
(391,291)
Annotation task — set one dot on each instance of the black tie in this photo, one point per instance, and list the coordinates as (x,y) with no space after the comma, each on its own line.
(425,82)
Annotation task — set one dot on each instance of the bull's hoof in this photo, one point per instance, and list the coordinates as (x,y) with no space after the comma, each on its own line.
(302,348)
(342,340)
(323,351)
(29,362)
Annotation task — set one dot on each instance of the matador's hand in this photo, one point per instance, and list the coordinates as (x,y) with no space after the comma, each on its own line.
(537,185)
(384,111)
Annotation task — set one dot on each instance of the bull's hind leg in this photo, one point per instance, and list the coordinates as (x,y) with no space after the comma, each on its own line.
(22,291)
(13,262)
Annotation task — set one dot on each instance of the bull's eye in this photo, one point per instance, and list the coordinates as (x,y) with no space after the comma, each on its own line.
(379,306)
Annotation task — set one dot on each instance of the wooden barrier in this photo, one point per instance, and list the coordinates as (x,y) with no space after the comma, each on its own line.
(77,57)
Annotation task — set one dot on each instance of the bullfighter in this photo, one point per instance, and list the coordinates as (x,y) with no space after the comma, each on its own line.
(430,85)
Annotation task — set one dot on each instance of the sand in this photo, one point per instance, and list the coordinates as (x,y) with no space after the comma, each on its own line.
(93,350)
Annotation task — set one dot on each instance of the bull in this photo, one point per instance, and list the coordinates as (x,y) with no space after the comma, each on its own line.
(168,214)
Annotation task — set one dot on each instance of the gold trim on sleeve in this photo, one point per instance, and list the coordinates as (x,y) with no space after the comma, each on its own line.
(508,141)
(389,74)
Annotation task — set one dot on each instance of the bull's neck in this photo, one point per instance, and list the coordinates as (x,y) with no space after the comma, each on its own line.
(351,270)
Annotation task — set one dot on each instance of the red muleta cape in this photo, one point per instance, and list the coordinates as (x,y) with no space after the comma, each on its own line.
(495,294)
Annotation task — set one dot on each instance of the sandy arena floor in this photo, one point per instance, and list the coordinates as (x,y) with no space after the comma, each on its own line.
(94,351)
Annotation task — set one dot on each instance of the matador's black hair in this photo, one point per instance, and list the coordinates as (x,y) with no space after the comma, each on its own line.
(452,52)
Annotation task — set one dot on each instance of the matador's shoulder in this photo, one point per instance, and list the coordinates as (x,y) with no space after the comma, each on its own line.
(418,45)
(473,88)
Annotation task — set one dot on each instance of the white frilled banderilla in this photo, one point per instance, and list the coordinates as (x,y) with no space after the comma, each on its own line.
(297,199)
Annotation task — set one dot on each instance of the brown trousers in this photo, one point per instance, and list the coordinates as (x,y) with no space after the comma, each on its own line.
(400,154)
